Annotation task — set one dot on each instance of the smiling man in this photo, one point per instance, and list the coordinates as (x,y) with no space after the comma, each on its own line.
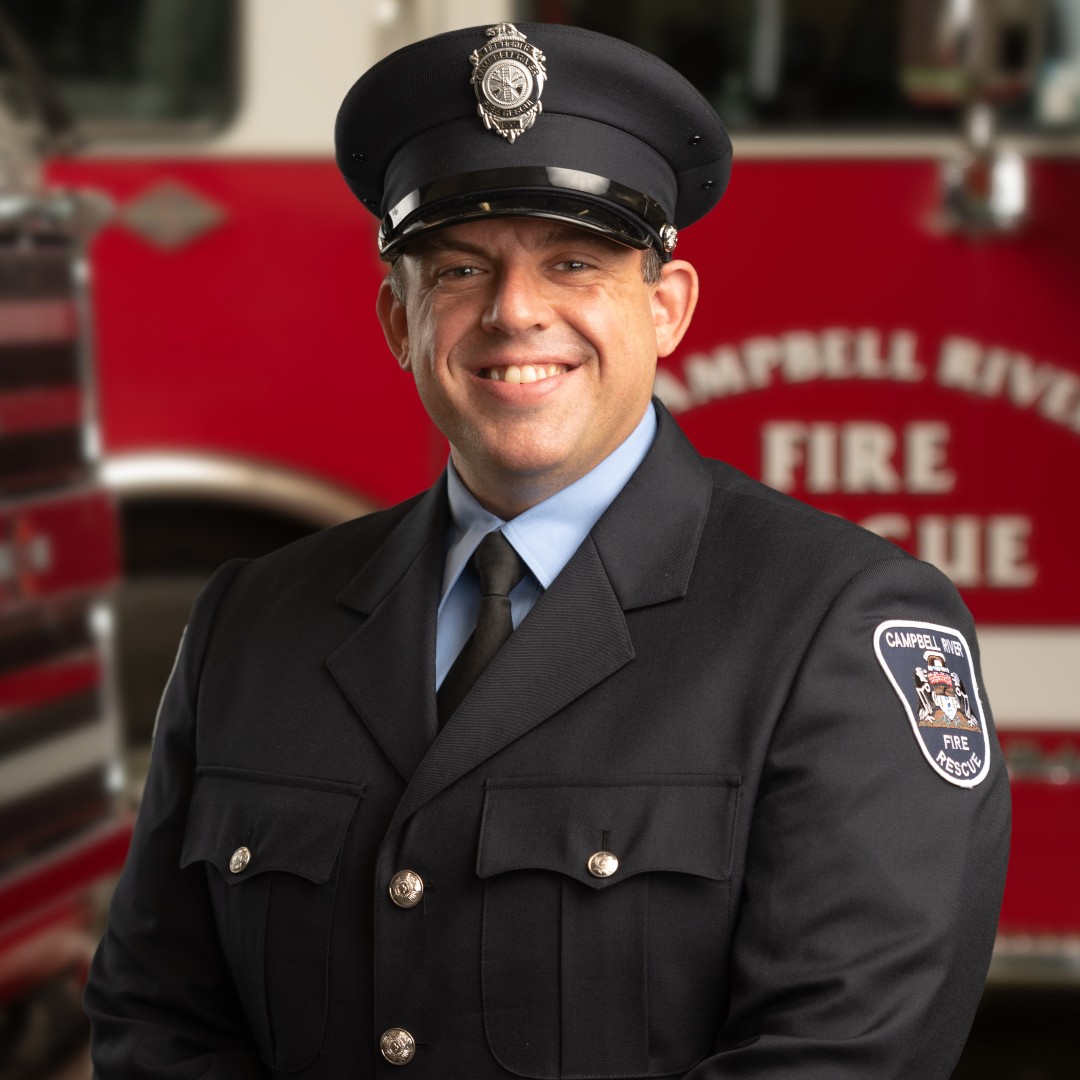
(598,759)
(533,346)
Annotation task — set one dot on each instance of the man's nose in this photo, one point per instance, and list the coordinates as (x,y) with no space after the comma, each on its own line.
(519,302)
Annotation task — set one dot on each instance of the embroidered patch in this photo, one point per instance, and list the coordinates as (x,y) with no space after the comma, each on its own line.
(930,668)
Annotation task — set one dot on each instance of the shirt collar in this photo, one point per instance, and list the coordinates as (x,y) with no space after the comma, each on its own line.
(547,534)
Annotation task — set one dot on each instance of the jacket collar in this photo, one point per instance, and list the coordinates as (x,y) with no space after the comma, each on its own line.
(641,552)
(649,536)
(386,668)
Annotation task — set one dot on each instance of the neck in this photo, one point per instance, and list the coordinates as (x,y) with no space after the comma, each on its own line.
(508,496)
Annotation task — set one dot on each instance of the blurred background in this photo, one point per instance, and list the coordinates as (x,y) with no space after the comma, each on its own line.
(190,369)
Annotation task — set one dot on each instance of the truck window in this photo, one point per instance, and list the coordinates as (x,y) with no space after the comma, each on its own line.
(797,66)
(137,68)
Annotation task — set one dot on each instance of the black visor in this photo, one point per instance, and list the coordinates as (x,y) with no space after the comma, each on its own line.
(586,200)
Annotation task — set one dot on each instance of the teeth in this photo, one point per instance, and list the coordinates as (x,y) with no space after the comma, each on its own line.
(516,374)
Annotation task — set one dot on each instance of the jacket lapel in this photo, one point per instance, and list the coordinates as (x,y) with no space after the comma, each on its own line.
(577,630)
(386,668)
(641,552)
(648,538)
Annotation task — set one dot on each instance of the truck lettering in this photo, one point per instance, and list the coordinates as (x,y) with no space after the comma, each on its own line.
(995,372)
(856,457)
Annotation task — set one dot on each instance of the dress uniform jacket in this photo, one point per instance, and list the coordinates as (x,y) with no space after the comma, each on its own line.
(797,893)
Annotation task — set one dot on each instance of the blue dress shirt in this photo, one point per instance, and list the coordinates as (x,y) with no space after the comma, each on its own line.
(545,536)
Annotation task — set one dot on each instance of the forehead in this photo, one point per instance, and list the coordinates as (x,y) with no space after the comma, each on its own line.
(498,235)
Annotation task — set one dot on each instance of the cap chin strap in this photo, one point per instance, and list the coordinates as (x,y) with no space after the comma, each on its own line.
(587,200)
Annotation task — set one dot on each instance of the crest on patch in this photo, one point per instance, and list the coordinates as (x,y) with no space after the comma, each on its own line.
(508,78)
(931,670)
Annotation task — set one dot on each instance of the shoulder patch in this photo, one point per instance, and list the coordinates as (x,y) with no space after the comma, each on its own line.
(930,669)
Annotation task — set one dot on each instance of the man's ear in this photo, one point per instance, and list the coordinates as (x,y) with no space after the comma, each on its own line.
(394,323)
(673,301)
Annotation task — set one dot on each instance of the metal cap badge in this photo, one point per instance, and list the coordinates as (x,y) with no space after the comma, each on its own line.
(508,78)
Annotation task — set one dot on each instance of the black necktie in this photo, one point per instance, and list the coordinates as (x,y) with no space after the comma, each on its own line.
(499,568)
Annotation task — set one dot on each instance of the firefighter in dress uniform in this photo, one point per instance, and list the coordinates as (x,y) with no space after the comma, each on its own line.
(478,785)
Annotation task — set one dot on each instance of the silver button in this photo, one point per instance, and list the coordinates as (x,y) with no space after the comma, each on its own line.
(240,858)
(397,1046)
(406,888)
(603,864)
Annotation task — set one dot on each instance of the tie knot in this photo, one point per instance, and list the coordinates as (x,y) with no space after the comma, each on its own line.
(498,565)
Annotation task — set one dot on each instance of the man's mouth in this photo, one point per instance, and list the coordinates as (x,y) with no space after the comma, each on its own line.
(523,373)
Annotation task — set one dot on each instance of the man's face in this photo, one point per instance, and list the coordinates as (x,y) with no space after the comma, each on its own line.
(533,345)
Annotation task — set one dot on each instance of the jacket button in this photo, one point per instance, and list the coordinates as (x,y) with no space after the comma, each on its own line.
(240,858)
(603,864)
(397,1046)
(406,888)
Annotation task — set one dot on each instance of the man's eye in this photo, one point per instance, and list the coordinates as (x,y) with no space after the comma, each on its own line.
(572,264)
(460,271)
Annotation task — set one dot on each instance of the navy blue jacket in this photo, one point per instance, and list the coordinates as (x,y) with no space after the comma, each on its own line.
(799,894)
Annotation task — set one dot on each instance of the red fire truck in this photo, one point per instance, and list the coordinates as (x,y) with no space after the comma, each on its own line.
(888,328)
(63,826)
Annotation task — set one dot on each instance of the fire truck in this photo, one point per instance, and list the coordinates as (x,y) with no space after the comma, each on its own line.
(887,331)
(64,829)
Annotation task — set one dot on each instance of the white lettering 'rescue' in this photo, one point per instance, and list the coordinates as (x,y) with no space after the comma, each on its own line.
(965,769)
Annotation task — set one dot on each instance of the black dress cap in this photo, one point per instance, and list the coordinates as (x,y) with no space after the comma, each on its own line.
(536,120)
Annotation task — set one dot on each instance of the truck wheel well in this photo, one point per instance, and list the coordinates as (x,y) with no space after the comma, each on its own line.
(168,534)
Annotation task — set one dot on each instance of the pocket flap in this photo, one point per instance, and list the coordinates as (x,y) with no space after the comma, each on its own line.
(681,824)
(285,823)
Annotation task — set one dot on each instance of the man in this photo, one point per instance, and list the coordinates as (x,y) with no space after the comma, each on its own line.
(683,820)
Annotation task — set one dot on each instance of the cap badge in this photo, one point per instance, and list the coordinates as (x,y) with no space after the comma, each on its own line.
(508,78)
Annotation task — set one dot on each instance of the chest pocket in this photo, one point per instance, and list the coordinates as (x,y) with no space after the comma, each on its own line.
(271,846)
(606,923)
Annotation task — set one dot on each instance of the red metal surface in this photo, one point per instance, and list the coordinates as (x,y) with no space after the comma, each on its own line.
(1043,883)
(37,322)
(258,338)
(1041,887)
(853,248)
(39,949)
(40,410)
(62,875)
(51,546)
(26,687)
